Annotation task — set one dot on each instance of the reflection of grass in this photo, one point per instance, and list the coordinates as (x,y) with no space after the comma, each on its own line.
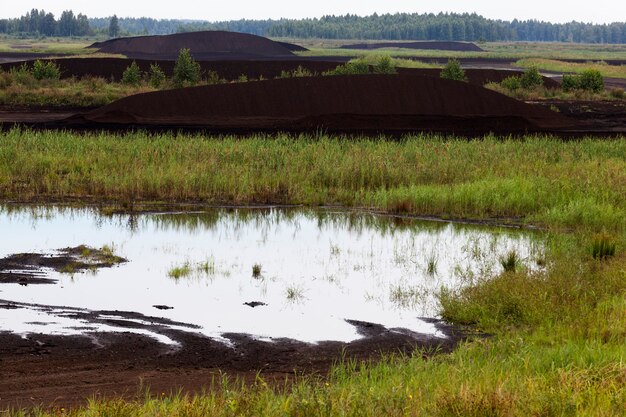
(406,296)
(431,265)
(180,271)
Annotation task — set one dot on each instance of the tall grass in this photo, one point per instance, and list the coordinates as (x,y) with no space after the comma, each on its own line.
(540,180)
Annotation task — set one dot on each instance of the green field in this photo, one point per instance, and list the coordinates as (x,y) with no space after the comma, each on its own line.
(558,337)
(505,50)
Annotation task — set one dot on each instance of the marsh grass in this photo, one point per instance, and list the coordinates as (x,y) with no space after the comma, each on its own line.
(197,269)
(614,71)
(180,271)
(576,184)
(294,293)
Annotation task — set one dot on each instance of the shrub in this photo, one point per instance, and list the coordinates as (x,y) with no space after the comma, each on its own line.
(531,78)
(588,80)
(46,70)
(212,77)
(156,76)
(186,70)
(512,83)
(591,80)
(298,72)
(570,82)
(132,74)
(358,67)
(384,65)
(453,71)
(23,75)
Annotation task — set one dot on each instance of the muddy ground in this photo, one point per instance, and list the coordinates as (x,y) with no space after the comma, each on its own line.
(64,371)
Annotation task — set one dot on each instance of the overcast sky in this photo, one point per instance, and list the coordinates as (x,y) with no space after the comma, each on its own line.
(596,11)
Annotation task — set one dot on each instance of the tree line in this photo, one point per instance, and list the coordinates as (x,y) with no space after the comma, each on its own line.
(39,23)
(399,26)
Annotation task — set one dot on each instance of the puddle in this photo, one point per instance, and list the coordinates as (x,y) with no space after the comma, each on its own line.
(270,273)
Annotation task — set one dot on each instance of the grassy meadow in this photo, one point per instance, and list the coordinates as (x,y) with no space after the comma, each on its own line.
(504,50)
(557,344)
(613,71)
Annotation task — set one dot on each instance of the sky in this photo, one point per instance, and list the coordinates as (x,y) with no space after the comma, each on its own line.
(557,11)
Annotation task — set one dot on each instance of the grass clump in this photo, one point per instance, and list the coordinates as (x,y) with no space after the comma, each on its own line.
(510,262)
(256,271)
(206,268)
(300,71)
(181,271)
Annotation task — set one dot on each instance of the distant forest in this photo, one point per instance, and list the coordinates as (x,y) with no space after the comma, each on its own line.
(400,26)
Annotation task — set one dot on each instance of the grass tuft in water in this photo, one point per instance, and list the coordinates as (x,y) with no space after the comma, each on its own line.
(256,271)
(511,262)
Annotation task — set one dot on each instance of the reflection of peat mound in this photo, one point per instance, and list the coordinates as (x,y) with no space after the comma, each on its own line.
(367,103)
(428,45)
(203,45)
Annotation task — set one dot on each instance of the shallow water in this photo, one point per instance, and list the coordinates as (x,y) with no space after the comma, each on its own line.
(319,268)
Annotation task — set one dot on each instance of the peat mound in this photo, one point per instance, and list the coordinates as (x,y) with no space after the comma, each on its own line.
(367,103)
(113,68)
(428,45)
(203,45)
(478,76)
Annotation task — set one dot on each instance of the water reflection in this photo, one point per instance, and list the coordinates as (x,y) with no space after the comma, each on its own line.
(318,268)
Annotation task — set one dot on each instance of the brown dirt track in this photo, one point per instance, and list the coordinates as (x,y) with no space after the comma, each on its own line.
(203,45)
(368,103)
(427,45)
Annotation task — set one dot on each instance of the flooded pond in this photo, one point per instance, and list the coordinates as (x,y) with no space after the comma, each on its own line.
(271,273)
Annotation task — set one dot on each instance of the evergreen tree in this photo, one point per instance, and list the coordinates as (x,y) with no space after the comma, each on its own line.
(114,27)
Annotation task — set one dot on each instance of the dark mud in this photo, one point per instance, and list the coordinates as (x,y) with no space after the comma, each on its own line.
(30,268)
(64,371)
